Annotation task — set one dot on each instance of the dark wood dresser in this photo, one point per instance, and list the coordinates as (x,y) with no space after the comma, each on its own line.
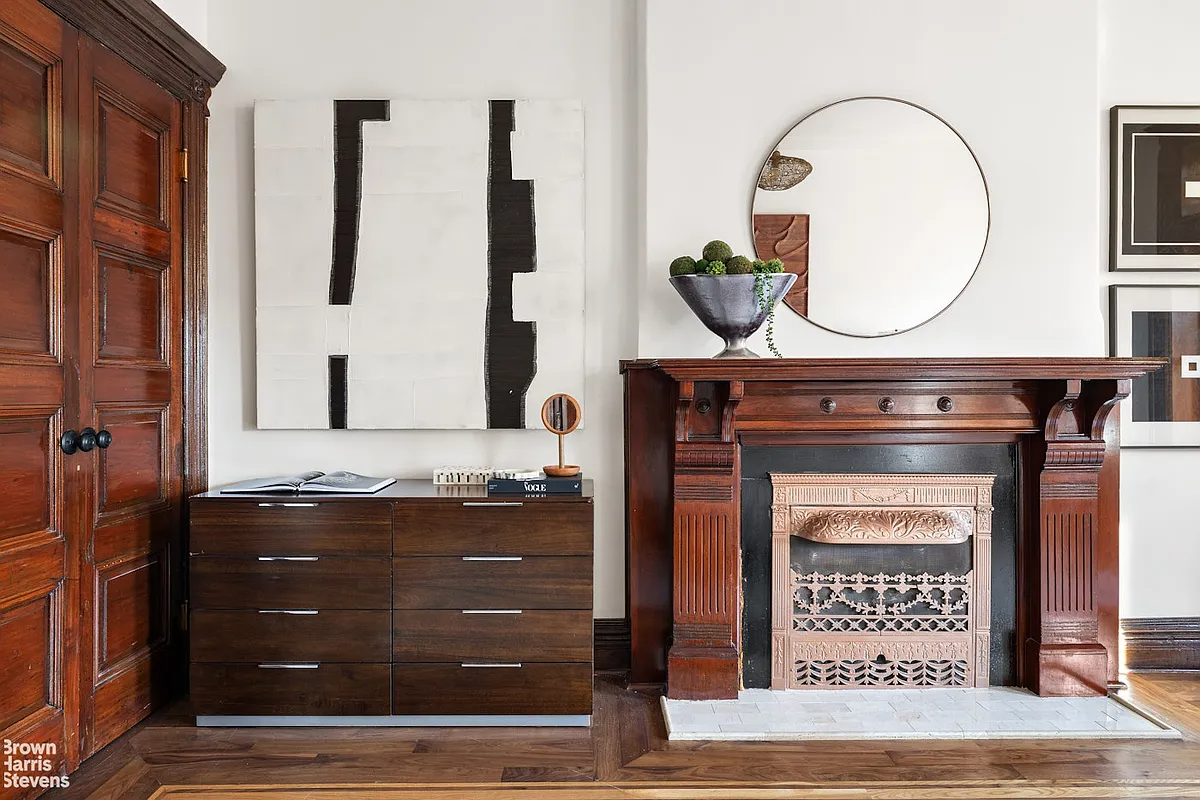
(418,605)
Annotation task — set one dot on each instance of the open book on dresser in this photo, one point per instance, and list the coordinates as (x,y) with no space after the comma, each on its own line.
(330,482)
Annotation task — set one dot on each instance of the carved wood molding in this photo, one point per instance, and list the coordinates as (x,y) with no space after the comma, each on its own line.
(881,509)
(149,40)
(900,649)
(882,526)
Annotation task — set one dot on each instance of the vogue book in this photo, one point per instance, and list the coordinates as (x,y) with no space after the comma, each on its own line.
(539,485)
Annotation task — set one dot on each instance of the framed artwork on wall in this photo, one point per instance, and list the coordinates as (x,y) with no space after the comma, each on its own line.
(418,263)
(1155,188)
(1159,322)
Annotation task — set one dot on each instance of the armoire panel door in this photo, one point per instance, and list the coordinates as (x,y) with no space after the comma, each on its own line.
(131,368)
(37,688)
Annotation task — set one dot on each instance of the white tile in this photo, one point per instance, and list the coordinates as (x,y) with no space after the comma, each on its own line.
(942,714)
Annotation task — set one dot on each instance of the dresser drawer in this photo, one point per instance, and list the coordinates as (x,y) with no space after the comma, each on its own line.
(493,582)
(493,527)
(527,636)
(324,689)
(291,582)
(528,689)
(255,636)
(293,527)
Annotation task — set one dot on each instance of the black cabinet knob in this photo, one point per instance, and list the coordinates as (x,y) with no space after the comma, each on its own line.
(945,405)
(69,442)
(828,405)
(87,440)
(103,439)
(887,405)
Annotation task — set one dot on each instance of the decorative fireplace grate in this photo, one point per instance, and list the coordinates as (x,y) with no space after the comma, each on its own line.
(881,630)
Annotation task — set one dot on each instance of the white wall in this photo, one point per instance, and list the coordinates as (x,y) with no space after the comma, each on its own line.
(192,16)
(724,80)
(1147,57)
(544,49)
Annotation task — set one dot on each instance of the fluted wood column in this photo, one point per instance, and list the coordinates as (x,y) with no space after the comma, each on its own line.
(1065,656)
(703,661)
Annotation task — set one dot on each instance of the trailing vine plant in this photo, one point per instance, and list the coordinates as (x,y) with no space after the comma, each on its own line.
(762,290)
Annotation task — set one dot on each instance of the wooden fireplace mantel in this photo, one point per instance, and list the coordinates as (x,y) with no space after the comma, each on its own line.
(685,420)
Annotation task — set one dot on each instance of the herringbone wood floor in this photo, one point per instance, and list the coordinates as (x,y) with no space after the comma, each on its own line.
(626,755)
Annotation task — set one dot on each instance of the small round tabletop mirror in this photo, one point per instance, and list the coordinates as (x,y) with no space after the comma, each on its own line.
(561,415)
(880,208)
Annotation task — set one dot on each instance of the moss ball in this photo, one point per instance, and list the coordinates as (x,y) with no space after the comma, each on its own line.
(739,265)
(775,265)
(684,265)
(716,250)
(702,266)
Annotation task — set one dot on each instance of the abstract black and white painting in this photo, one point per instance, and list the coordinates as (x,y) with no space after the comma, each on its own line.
(419,263)
(1159,322)
(1155,188)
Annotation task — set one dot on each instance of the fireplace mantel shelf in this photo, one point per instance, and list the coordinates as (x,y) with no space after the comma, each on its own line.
(898,369)
(685,420)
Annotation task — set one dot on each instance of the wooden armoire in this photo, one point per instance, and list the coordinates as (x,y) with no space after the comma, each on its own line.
(103,120)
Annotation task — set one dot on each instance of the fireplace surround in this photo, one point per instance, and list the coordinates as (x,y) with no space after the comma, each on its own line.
(687,419)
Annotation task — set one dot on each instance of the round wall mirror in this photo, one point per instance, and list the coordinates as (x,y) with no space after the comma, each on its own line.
(880,208)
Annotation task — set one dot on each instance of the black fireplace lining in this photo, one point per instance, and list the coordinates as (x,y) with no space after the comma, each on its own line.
(945,459)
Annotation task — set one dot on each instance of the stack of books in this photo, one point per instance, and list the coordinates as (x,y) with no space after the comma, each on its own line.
(534,486)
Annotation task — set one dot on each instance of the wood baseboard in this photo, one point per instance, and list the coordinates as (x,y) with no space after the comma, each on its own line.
(1162,643)
(611,645)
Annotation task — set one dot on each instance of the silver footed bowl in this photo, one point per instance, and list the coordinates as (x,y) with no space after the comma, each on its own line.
(729,307)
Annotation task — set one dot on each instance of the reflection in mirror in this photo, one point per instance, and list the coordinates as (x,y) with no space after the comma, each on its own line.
(885,221)
(561,415)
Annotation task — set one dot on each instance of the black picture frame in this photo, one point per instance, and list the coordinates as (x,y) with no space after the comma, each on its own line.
(1158,227)
(1159,321)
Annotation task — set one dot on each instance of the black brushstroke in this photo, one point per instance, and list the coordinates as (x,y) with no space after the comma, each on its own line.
(339,393)
(510,350)
(348,118)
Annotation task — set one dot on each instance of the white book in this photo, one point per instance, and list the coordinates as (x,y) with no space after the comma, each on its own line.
(340,482)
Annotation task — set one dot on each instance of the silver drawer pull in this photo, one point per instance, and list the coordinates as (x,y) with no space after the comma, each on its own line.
(491,558)
(306,612)
(491,611)
(289,666)
(490,666)
(288,505)
(495,503)
(289,558)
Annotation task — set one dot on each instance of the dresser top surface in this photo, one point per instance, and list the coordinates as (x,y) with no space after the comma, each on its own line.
(406,489)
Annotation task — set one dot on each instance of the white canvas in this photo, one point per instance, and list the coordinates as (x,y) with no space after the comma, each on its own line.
(414,330)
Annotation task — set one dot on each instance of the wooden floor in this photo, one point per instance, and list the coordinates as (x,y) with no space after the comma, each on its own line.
(626,755)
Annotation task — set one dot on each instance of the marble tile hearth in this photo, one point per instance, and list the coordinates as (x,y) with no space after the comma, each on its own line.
(993,713)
